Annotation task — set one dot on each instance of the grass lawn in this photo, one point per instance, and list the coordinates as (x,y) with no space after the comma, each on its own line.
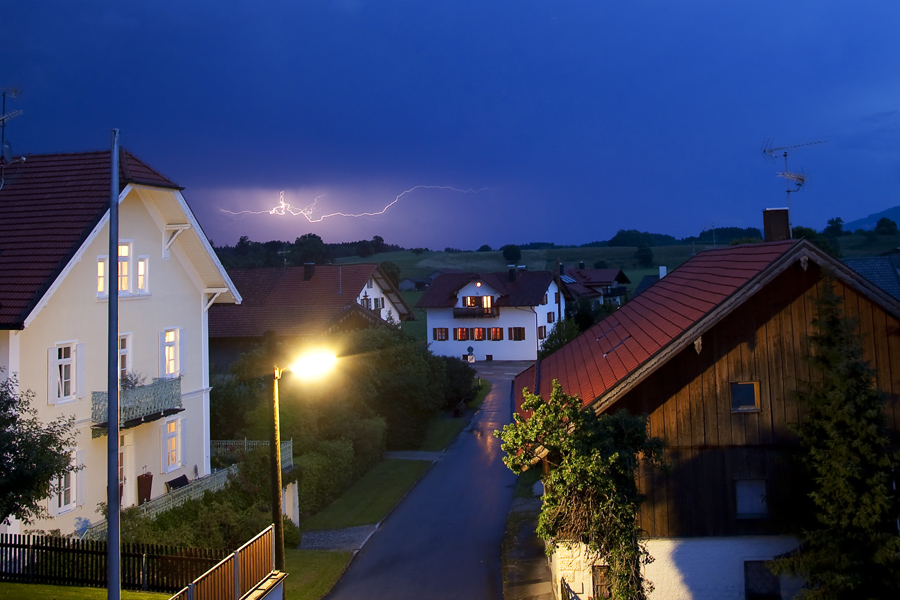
(483,390)
(312,573)
(370,499)
(442,431)
(27,591)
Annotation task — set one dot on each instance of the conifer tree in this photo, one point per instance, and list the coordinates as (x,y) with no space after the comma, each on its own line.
(850,542)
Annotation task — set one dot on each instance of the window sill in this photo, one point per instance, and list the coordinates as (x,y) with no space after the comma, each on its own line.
(744,410)
(125,297)
(64,511)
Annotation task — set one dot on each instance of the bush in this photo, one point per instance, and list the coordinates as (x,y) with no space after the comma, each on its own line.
(459,385)
(324,474)
(368,439)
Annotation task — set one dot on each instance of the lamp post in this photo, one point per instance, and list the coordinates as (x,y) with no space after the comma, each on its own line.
(310,366)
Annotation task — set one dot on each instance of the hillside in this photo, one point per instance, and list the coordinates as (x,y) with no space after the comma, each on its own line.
(869,222)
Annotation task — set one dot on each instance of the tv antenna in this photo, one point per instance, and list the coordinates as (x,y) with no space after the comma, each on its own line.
(790,177)
(5,116)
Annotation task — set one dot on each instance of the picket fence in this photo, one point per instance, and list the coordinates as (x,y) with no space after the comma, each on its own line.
(68,561)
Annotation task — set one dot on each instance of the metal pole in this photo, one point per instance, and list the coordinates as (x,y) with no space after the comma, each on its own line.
(113,539)
(275,457)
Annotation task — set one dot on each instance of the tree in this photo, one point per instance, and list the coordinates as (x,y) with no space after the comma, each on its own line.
(644,256)
(590,491)
(33,455)
(484,248)
(835,228)
(511,253)
(309,248)
(849,534)
(564,332)
(885,226)
(829,245)
(378,244)
(365,249)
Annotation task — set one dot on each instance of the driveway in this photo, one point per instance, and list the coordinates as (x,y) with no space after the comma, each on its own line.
(444,539)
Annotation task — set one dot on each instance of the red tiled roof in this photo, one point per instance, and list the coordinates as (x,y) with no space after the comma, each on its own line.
(49,204)
(604,355)
(597,276)
(281,300)
(528,289)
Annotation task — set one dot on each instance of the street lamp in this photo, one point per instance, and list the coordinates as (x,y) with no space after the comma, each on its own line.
(310,366)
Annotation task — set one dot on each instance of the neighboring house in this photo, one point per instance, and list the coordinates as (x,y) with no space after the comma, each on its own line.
(501,316)
(55,276)
(413,284)
(880,270)
(647,281)
(600,286)
(711,353)
(303,302)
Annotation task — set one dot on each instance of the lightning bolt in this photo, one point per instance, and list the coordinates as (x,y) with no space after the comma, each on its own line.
(283,208)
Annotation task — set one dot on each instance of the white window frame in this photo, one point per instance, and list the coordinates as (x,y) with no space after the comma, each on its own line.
(126,353)
(128,261)
(170,365)
(142,275)
(68,482)
(172,435)
(103,280)
(55,367)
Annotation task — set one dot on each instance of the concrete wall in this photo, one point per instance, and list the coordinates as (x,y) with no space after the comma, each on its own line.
(685,568)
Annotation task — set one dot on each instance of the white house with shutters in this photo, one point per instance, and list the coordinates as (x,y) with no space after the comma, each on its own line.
(492,316)
(55,276)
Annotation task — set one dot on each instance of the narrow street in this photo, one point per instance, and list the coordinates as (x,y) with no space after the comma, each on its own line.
(444,539)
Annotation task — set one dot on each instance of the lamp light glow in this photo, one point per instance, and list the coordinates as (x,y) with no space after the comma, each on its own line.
(314,365)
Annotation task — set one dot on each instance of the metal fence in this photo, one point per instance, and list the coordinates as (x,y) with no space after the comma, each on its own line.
(237,574)
(234,448)
(67,561)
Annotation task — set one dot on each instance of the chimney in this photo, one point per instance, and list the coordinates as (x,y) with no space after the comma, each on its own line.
(663,271)
(309,269)
(512,272)
(562,270)
(776,225)
(581,264)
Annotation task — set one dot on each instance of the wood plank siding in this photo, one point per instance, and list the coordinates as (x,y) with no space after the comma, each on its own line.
(688,400)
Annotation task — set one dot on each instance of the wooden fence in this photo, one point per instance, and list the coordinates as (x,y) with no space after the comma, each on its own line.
(237,574)
(69,561)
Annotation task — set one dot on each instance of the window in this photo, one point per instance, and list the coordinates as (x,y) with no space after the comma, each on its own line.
(478,301)
(517,333)
(102,278)
(170,342)
(542,332)
(143,265)
(550,316)
(744,396)
(495,333)
(370,284)
(378,303)
(64,495)
(750,499)
(478,334)
(544,299)
(556,297)
(125,268)
(172,432)
(65,372)
(460,334)
(602,582)
(440,334)
(124,356)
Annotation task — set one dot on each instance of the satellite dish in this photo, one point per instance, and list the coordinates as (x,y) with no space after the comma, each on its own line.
(7,152)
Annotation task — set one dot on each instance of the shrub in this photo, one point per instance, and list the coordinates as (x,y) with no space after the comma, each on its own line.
(368,439)
(324,474)
(459,385)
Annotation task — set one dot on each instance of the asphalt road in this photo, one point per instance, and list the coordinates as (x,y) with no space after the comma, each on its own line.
(444,539)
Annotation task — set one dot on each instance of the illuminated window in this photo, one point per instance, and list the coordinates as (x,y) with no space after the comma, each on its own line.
(440,334)
(542,332)
(143,266)
(125,268)
(102,282)
(172,451)
(479,334)
(460,334)
(495,333)
(517,334)
(170,355)
(744,396)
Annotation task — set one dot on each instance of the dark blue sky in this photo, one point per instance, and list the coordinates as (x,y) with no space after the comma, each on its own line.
(574,118)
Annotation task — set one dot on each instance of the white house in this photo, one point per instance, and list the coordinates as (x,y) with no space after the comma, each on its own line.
(499,316)
(55,276)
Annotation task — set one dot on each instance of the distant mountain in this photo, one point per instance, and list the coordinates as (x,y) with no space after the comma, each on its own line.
(869,222)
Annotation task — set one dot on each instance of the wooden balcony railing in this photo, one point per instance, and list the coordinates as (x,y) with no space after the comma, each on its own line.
(476,312)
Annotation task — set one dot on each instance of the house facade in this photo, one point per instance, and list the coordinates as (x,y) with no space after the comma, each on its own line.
(599,286)
(55,280)
(300,303)
(499,316)
(712,353)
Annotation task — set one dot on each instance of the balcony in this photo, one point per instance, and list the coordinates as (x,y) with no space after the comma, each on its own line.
(138,405)
(476,312)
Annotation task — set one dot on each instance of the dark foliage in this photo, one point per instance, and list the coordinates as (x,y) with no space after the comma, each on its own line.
(644,256)
(511,253)
(459,384)
(633,237)
(885,226)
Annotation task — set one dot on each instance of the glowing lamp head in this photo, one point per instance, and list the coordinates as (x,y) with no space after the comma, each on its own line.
(314,365)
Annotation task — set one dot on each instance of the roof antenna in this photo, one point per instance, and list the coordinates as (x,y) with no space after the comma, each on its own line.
(7,157)
(798,179)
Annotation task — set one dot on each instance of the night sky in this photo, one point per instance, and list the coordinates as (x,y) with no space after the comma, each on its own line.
(558,121)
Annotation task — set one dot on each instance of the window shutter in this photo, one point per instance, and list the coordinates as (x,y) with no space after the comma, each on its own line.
(162,354)
(79,371)
(51,377)
(182,352)
(79,478)
(182,443)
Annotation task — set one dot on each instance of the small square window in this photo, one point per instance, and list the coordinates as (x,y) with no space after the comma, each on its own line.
(744,396)
(750,499)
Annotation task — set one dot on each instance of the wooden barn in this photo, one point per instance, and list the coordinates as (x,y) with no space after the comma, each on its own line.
(712,353)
